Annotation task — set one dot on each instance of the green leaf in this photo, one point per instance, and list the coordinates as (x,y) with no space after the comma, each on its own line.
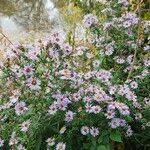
(129,119)
(103,147)
(104,137)
(115,136)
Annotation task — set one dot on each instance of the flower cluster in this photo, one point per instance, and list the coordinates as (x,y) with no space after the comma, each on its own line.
(90,20)
(93,131)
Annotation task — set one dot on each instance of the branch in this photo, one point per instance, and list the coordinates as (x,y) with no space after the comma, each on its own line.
(6,38)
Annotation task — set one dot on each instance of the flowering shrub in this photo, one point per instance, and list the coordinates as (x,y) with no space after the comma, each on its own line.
(60,97)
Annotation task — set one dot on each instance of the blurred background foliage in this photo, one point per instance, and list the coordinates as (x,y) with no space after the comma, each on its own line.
(145,7)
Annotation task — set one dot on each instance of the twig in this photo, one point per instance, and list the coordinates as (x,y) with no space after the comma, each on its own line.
(6,38)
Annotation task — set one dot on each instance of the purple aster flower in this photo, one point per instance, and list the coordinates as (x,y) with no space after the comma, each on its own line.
(85,130)
(69,116)
(90,20)
(28,70)
(94,131)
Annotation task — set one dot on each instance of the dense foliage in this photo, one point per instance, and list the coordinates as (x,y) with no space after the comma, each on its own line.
(84,96)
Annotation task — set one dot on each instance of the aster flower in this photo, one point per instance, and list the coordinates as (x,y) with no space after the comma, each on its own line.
(47,75)
(129,132)
(88,75)
(50,141)
(147,62)
(62,103)
(112,89)
(120,60)
(85,130)
(69,116)
(103,75)
(90,20)
(89,108)
(126,24)
(1,142)
(131,18)
(28,70)
(13,99)
(123,108)
(52,109)
(96,109)
(109,49)
(10,54)
(62,130)
(138,116)
(66,74)
(33,83)
(61,146)
(96,63)
(107,25)
(147,101)
(123,89)
(33,53)
(145,72)
(146,48)
(87,99)
(25,126)
(122,123)
(56,39)
(6,105)
(21,147)
(67,49)
(110,114)
(20,108)
(111,106)
(131,96)
(124,111)
(79,51)
(123,2)
(115,122)
(89,55)
(134,85)
(13,140)
(94,131)
(137,105)
(16,70)
(129,59)
(76,97)
(53,53)
(148,124)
